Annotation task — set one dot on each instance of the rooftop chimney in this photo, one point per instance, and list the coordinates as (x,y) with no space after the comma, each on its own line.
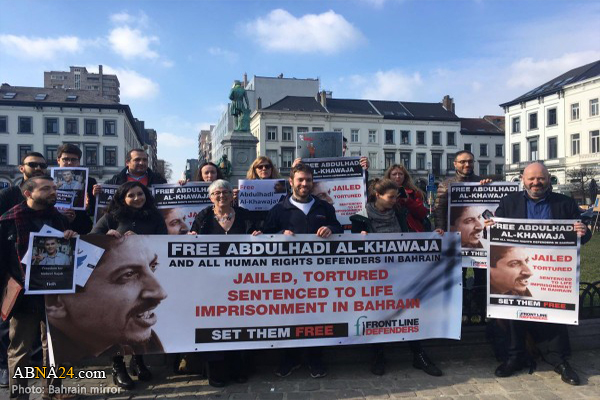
(101,81)
(245,80)
(323,99)
(258,103)
(448,103)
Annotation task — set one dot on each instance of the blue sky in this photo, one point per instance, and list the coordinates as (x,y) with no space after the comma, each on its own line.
(176,60)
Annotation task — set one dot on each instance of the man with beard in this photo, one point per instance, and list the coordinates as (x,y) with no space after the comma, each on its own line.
(538,201)
(301,212)
(510,271)
(115,309)
(469,222)
(175,220)
(69,155)
(33,164)
(28,318)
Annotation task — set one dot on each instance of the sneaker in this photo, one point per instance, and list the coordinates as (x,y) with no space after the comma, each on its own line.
(286,367)
(317,370)
(3,377)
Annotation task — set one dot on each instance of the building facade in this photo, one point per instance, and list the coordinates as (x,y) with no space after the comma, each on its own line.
(41,119)
(205,144)
(557,123)
(262,92)
(79,78)
(422,136)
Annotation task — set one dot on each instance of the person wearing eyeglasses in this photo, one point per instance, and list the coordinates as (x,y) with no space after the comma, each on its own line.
(224,219)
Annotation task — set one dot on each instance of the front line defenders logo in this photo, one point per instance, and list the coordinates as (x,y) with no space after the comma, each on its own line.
(532,316)
(358,325)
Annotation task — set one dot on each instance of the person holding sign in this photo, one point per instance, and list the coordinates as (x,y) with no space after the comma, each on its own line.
(223,219)
(537,201)
(409,197)
(382,215)
(130,212)
(300,212)
(26,313)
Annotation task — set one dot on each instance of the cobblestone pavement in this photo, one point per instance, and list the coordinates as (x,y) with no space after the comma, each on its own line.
(463,379)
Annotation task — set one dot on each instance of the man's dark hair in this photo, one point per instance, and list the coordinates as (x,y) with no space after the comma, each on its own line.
(128,157)
(32,154)
(497,253)
(31,183)
(301,167)
(458,153)
(69,149)
(456,213)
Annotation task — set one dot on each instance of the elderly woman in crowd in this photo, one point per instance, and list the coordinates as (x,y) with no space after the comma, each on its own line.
(222,219)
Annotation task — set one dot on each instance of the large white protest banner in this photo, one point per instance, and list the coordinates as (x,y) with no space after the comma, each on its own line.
(534,270)
(260,194)
(339,181)
(469,205)
(155,294)
(179,204)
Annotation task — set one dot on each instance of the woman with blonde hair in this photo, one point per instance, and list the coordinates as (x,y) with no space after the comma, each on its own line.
(262,168)
(410,197)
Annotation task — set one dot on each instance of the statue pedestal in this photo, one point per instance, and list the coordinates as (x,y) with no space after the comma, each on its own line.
(240,147)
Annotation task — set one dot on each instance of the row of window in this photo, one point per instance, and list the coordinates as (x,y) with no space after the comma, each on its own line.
(436,162)
(287,135)
(552,148)
(89,158)
(551,118)
(483,149)
(70,126)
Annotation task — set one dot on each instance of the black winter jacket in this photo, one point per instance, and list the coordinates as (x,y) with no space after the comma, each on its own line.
(121,178)
(151,224)
(286,216)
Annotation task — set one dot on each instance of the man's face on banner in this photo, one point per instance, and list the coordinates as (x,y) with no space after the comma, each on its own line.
(470,226)
(67,176)
(50,245)
(320,191)
(511,273)
(118,301)
(175,221)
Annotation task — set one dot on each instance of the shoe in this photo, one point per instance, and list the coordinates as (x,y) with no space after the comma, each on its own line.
(120,376)
(138,368)
(378,367)
(3,377)
(317,369)
(567,374)
(508,368)
(421,361)
(217,373)
(286,367)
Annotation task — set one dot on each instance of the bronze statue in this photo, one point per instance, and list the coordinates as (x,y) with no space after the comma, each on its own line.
(239,107)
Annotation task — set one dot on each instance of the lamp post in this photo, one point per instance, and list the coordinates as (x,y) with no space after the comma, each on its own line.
(430,187)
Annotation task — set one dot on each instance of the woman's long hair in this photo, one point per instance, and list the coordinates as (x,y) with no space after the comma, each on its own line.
(198,176)
(251,174)
(408,182)
(122,212)
(380,186)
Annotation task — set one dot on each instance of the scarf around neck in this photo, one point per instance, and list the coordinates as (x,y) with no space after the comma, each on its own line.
(383,222)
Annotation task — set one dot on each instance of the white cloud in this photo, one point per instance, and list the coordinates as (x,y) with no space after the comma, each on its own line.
(132,43)
(124,18)
(388,85)
(229,56)
(325,33)
(40,48)
(133,84)
(527,73)
(172,140)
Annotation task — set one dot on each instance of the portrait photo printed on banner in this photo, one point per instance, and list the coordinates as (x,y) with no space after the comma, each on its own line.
(261,194)
(469,205)
(534,271)
(72,183)
(151,295)
(319,144)
(340,182)
(115,309)
(179,204)
(51,266)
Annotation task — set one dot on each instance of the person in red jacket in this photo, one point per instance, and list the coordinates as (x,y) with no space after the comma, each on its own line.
(413,201)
